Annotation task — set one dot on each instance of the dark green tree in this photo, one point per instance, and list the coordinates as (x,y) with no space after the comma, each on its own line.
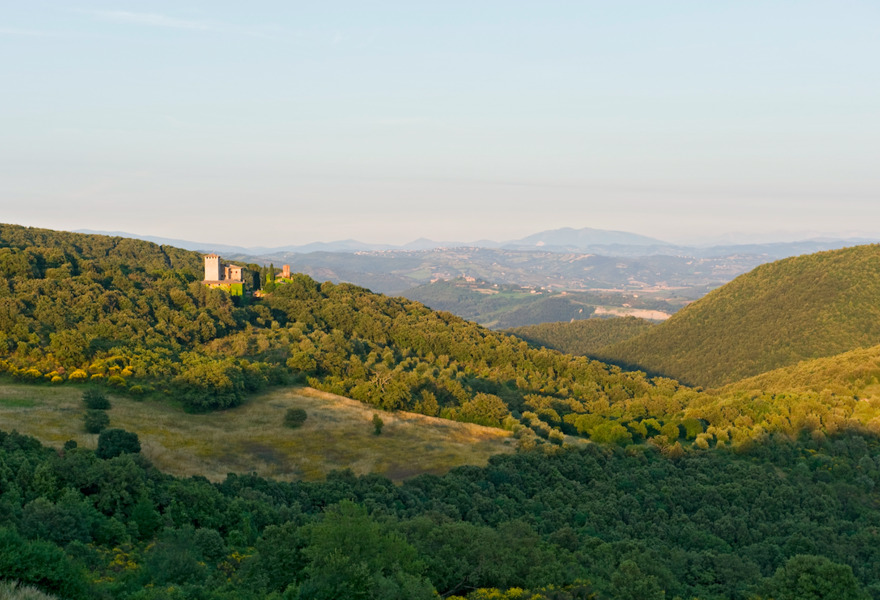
(95,421)
(295,417)
(808,577)
(114,442)
(95,399)
(350,556)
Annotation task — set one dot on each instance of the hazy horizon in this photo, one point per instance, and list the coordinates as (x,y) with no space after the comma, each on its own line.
(277,124)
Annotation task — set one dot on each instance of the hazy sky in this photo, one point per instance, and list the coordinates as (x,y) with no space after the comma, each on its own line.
(289,122)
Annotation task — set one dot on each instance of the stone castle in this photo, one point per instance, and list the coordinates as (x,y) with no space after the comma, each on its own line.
(228,277)
(217,274)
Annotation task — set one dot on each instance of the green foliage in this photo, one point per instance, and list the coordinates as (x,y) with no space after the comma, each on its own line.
(805,577)
(295,417)
(166,334)
(205,383)
(845,374)
(42,564)
(780,519)
(378,424)
(584,338)
(114,442)
(781,313)
(95,421)
(95,399)
(352,557)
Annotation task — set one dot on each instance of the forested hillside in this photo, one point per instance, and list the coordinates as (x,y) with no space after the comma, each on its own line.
(742,494)
(160,332)
(79,307)
(776,315)
(583,338)
(782,520)
(854,373)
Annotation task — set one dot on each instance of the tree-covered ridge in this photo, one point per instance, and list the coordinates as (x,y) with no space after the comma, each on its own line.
(854,373)
(164,331)
(583,338)
(596,522)
(110,318)
(776,315)
(75,307)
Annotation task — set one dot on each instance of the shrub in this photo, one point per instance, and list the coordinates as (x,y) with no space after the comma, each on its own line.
(96,421)
(206,384)
(295,417)
(113,442)
(79,375)
(116,381)
(378,423)
(41,563)
(95,399)
(31,374)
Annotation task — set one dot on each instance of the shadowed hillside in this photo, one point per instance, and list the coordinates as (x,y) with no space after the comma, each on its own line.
(776,315)
(584,338)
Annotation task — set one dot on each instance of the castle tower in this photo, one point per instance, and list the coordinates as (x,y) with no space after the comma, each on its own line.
(212,267)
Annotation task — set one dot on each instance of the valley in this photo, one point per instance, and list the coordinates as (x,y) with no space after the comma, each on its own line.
(506,460)
(440,301)
(506,306)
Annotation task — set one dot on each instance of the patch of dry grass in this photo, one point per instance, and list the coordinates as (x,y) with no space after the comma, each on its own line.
(338,434)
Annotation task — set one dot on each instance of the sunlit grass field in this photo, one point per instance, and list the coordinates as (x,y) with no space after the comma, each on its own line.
(337,434)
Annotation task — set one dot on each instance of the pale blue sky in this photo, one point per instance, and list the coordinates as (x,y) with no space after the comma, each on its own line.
(289,122)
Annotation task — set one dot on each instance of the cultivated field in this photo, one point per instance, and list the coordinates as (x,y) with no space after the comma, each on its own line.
(338,434)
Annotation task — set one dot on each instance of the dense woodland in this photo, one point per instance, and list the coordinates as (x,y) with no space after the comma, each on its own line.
(777,315)
(683,493)
(583,338)
(782,520)
(135,316)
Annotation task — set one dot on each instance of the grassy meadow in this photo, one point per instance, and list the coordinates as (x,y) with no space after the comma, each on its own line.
(338,434)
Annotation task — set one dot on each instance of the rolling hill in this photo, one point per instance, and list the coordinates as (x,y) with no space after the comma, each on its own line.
(853,373)
(500,306)
(583,338)
(653,507)
(134,318)
(774,316)
(124,314)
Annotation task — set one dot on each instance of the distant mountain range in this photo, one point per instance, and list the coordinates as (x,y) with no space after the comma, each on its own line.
(565,240)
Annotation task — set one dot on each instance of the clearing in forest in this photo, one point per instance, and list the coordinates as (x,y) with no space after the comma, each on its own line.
(337,434)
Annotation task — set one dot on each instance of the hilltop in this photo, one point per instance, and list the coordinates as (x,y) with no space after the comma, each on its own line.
(774,316)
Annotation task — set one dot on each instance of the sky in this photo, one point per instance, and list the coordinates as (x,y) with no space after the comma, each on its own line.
(288,122)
